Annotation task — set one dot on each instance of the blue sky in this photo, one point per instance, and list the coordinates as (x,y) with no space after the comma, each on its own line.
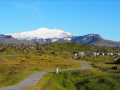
(79,17)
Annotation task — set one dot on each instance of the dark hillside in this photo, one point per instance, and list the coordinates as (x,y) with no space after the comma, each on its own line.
(62,47)
(47,48)
(95,40)
(118,61)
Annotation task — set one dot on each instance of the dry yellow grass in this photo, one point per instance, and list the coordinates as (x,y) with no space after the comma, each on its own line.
(21,67)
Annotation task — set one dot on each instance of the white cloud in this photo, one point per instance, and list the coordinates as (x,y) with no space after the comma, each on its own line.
(26,4)
(29,5)
(20,4)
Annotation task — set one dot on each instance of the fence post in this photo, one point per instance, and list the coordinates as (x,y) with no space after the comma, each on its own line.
(56,70)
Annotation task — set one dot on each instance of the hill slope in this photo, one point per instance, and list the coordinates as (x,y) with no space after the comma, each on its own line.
(94,39)
(8,39)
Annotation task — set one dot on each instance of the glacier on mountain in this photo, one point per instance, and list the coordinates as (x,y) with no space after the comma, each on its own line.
(43,33)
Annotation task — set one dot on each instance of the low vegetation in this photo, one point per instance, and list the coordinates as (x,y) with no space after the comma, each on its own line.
(91,79)
(19,61)
(101,76)
(14,69)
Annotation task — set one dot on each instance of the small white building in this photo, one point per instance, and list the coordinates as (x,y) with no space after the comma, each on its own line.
(116,55)
(111,54)
(78,53)
(81,53)
(103,54)
(94,53)
(97,54)
(75,53)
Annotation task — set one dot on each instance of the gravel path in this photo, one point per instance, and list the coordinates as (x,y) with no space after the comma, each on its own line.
(34,78)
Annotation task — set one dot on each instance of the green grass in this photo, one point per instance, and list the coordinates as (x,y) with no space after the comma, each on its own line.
(90,79)
(101,76)
(13,69)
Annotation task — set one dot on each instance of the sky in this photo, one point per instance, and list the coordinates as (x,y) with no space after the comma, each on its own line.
(79,17)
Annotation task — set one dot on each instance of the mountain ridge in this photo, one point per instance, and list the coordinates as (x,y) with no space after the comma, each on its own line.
(96,40)
(55,35)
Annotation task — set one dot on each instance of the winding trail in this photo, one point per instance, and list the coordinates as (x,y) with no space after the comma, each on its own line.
(34,78)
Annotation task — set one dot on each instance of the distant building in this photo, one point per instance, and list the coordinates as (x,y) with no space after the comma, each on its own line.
(75,53)
(116,55)
(78,53)
(93,53)
(111,54)
(97,54)
(81,53)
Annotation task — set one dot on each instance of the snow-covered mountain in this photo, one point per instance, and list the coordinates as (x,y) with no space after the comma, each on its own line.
(43,33)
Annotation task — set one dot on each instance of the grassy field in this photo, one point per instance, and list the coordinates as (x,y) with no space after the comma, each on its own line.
(79,80)
(100,77)
(13,69)
(19,61)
